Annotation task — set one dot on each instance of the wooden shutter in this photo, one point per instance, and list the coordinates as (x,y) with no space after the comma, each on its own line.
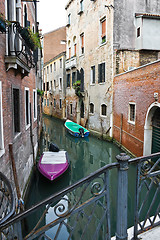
(103,72)
(75,49)
(103,28)
(82,41)
(69,52)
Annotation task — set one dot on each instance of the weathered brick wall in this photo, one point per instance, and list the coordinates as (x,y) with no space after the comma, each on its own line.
(52,43)
(22,149)
(137,86)
(127,59)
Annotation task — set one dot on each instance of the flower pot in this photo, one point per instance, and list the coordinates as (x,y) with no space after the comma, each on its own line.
(26,36)
(2,25)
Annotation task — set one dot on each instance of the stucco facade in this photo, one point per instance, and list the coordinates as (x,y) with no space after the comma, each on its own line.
(55,87)
(86,22)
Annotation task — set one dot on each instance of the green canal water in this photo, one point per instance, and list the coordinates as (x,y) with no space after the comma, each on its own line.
(86,156)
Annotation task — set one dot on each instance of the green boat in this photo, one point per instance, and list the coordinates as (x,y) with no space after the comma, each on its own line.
(75,129)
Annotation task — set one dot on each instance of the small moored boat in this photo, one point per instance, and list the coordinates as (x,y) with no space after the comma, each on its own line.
(75,129)
(53,163)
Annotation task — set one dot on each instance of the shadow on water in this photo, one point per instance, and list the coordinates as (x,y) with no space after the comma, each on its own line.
(86,155)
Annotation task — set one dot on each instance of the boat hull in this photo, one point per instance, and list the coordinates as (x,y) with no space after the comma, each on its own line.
(69,125)
(51,170)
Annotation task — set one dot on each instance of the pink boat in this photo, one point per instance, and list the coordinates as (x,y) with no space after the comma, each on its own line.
(53,164)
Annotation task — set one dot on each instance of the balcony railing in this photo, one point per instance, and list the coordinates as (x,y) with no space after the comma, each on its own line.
(20,54)
(82,211)
(71,63)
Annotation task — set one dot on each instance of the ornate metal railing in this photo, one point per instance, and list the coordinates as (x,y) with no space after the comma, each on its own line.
(82,211)
(19,47)
(7,201)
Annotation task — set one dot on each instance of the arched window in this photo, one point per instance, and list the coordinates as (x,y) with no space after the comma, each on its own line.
(75,45)
(103,110)
(69,49)
(91,108)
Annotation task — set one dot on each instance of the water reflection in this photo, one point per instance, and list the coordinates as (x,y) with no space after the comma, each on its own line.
(86,155)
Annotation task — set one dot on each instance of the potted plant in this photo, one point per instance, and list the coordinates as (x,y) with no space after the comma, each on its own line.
(3,23)
(77,87)
(32,39)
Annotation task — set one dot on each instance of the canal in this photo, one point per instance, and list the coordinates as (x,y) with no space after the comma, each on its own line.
(86,155)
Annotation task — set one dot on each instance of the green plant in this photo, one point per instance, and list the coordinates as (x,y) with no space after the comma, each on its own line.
(40,92)
(77,87)
(35,38)
(31,39)
(3,23)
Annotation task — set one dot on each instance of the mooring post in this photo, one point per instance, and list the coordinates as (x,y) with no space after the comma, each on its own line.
(122,191)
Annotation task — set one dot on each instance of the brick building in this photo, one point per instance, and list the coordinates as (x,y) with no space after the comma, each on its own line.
(18,93)
(54,43)
(136,109)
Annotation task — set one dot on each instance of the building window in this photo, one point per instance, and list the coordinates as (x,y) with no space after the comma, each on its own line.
(138,32)
(16,110)
(44,102)
(82,43)
(60,63)
(60,103)
(47,70)
(35,104)
(73,77)
(103,110)
(69,52)
(93,75)
(54,102)
(54,66)
(1,123)
(75,46)
(81,6)
(68,80)
(50,86)
(47,102)
(132,112)
(47,86)
(51,68)
(103,30)
(60,84)
(27,107)
(91,108)
(71,109)
(69,20)
(43,86)
(101,73)
(54,85)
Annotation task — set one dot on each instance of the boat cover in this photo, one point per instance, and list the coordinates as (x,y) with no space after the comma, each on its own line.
(54,157)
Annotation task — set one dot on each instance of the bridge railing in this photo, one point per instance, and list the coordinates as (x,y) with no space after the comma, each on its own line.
(82,210)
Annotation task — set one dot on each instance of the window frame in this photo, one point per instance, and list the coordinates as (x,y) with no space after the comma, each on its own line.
(101,75)
(82,43)
(93,79)
(103,104)
(71,108)
(27,106)
(68,80)
(91,113)
(60,103)
(15,114)
(129,113)
(103,30)
(34,104)
(60,84)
